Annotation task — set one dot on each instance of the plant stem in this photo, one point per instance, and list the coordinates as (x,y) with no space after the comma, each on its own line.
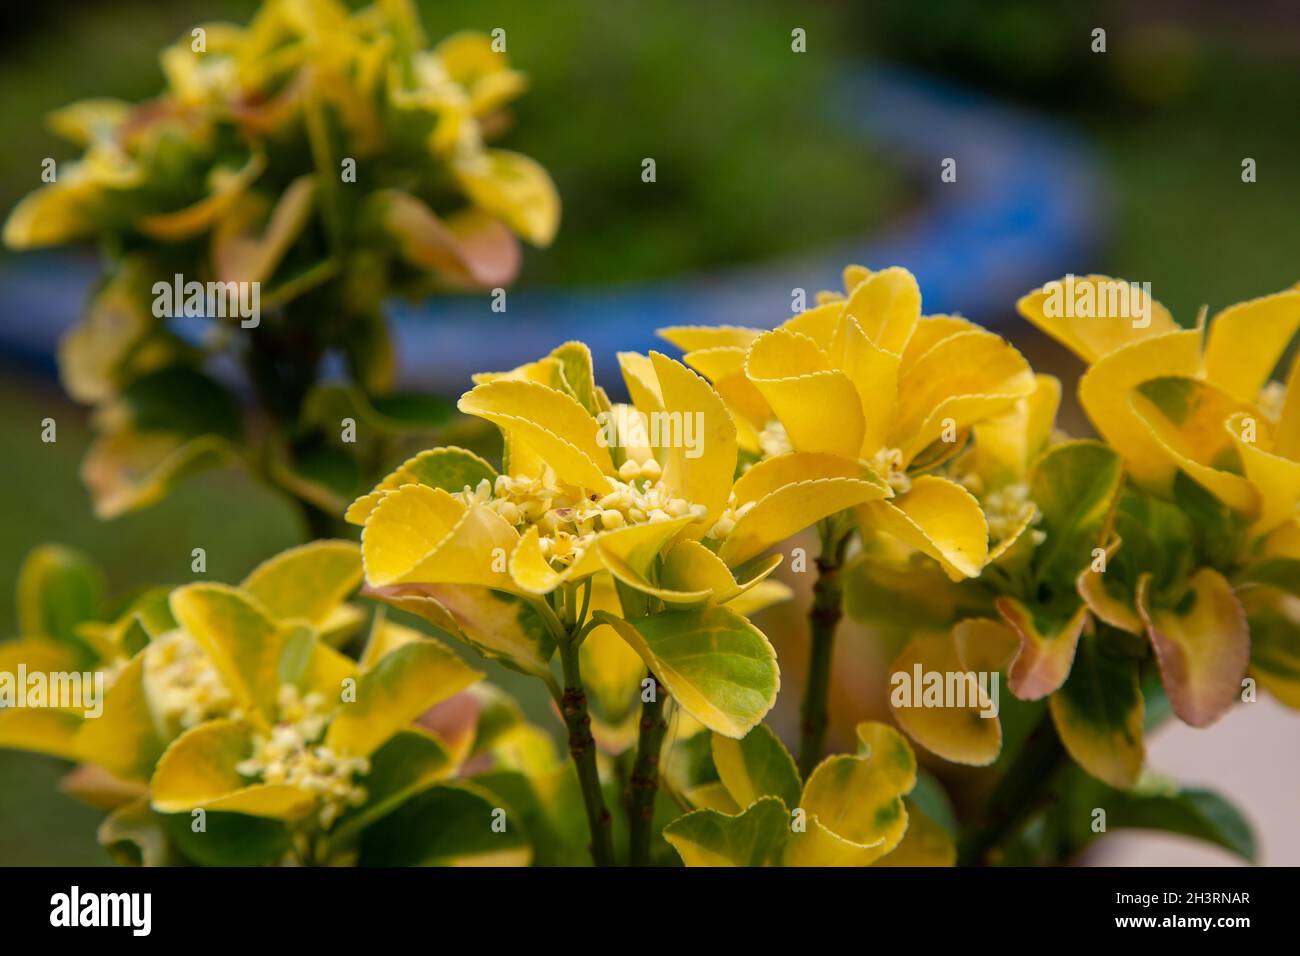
(1025,786)
(823,618)
(644,782)
(582,747)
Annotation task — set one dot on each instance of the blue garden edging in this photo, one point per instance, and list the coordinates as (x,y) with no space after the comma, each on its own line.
(1025,208)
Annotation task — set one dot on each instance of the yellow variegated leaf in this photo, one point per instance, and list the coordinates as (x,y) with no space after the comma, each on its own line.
(1098,715)
(1094,315)
(752,838)
(85,121)
(514,188)
(94,352)
(642,382)
(611,670)
(199,770)
(854,804)
(239,254)
(629,552)
(924,844)
(761,596)
(224,186)
(1104,394)
(240,639)
(1007,445)
(38,654)
(403,684)
(702,473)
(818,323)
(1047,646)
(419,534)
(887,305)
(553,425)
(1202,645)
(874,373)
(689,338)
(930,331)
(791,508)
(799,383)
(1275,479)
(950,718)
(718,667)
(1286,440)
(1246,340)
(127,470)
(41,730)
(937,517)
(756,766)
(308,582)
(122,739)
(712,796)
(449,468)
(468,247)
(1188,420)
(496,623)
(964,378)
(1108,607)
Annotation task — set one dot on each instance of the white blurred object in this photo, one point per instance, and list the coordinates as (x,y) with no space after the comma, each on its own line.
(1250,757)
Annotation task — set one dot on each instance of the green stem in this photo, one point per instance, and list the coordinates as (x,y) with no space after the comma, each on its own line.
(1025,787)
(824,616)
(582,748)
(644,782)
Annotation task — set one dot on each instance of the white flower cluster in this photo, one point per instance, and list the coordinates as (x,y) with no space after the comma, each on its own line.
(888,464)
(1007,509)
(292,754)
(567,523)
(184,688)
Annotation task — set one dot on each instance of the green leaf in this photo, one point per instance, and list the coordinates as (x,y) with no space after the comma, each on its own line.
(394,413)
(447,825)
(1074,486)
(410,762)
(550,808)
(58,588)
(1217,530)
(1280,573)
(757,765)
(756,837)
(1200,814)
(1157,538)
(1098,714)
(718,667)
(181,400)
(228,839)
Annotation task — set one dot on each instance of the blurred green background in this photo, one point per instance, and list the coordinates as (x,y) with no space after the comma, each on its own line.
(749,169)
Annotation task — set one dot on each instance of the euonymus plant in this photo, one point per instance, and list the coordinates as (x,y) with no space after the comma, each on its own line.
(292,177)
(616,553)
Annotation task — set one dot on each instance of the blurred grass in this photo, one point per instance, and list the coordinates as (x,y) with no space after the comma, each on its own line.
(238,523)
(747,166)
